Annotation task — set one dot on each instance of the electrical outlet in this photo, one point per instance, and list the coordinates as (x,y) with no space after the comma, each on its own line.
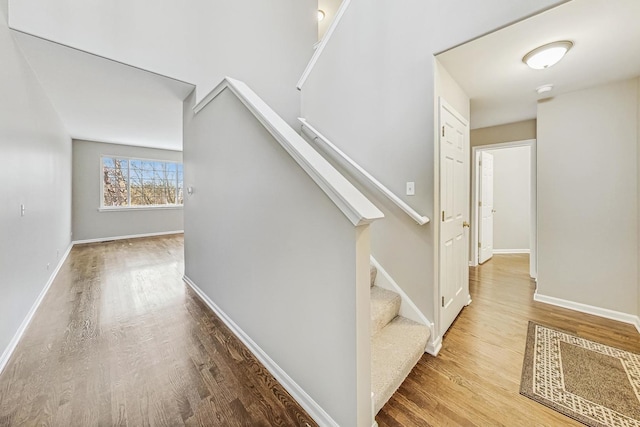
(22,209)
(48,265)
(411,188)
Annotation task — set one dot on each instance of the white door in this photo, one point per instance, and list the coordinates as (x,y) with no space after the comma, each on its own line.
(454,205)
(485,230)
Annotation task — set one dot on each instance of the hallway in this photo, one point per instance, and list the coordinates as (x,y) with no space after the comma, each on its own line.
(120,340)
(475,380)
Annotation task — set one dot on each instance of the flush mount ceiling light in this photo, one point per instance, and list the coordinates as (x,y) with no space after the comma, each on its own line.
(544,89)
(545,56)
(320,15)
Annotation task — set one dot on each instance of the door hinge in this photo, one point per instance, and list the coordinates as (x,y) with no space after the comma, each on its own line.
(480,204)
(442,130)
(443,301)
(442,216)
(480,163)
(479,244)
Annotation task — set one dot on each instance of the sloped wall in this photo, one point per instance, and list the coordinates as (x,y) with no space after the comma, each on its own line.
(264,43)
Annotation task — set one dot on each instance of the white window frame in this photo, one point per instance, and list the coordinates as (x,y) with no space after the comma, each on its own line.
(103,208)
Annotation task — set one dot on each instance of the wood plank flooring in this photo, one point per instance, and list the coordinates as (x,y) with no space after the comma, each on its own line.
(120,340)
(475,380)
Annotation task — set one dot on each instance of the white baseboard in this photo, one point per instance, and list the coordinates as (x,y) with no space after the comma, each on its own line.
(434,347)
(6,355)
(408,308)
(589,309)
(314,410)
(131,236)
(511,251)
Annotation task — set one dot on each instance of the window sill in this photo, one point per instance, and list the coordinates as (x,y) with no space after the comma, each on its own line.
(139,208)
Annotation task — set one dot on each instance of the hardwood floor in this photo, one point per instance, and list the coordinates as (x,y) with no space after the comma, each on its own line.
(475,380)
(120,340)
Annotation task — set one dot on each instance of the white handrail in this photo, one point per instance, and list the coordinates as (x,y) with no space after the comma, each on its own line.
(347,198)
(325,39)
(317,136)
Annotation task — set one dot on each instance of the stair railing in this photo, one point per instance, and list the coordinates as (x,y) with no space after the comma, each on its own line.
(321,45)
(330,148)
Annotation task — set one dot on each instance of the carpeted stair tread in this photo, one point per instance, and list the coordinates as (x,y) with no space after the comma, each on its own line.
(385,305)
(395,350)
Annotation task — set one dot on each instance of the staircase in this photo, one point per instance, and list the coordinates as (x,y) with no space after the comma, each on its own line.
(397,343)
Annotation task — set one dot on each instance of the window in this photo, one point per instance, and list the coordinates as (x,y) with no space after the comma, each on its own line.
(131,183)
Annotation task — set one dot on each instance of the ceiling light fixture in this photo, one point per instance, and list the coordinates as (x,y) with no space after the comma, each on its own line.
(545,56)
(320,15)
(544,89)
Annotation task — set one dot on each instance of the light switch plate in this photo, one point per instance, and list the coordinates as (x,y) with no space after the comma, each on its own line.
(411,188)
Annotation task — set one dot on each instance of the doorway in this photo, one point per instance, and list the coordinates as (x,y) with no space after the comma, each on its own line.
(509,221)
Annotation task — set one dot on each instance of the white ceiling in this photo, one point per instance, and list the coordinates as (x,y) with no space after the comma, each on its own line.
(103,100)
(606,37)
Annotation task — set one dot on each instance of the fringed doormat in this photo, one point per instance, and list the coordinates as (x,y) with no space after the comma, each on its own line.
(593,383)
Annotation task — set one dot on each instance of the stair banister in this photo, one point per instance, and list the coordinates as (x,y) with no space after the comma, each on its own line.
(350,201)
(312,133)
(325,39)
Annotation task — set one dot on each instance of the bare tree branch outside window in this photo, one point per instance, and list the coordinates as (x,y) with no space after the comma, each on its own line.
(134,182)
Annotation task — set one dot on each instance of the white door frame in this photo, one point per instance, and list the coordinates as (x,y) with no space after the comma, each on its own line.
(533,226)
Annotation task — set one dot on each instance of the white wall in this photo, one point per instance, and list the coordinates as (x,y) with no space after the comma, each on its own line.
(88,222)
(511,199)
(36,156)
(587,197)
(372,94)
(449,90)
(276,255)
(264,43)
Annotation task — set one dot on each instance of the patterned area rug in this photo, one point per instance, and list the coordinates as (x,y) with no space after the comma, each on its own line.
(593,383)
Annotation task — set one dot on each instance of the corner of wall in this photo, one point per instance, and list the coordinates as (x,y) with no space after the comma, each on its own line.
(450,90)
